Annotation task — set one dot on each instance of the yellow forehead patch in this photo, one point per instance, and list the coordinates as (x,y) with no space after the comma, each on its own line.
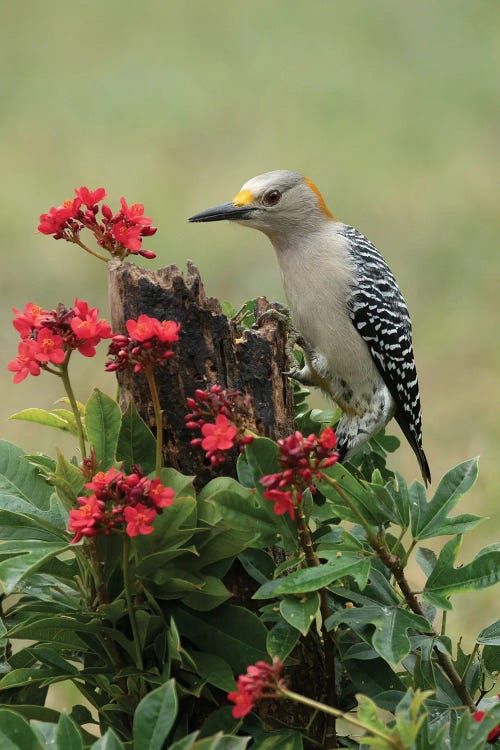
(244,198)
(321,201)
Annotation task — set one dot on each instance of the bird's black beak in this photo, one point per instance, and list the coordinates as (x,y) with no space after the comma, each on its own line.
(225,211)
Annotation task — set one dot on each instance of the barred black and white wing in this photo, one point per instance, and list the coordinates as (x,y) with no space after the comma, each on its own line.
(379,313)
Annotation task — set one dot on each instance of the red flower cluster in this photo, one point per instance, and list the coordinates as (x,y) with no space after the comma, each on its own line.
(47,337)
(302,459)
(226,411)
(260,681)
(494,735)
(120,233)
(149,343)
(119,502)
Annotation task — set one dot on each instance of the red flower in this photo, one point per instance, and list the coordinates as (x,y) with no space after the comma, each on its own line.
(26,321)
(328,439)
(138,519)
(128,236)
(283,502)
(25,363)
(302,459)
(219,436)
(252,686)
(148,344)
(83,520)
(88,197)
(143,328)
(161,496)
(49,347)
(54,221)
(103,479)
(167,331)
(494,735)
(135,213)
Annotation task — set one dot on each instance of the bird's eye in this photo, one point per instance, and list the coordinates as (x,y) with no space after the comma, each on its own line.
(272,198)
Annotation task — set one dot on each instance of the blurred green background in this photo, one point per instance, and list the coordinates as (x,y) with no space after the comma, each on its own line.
(392,108)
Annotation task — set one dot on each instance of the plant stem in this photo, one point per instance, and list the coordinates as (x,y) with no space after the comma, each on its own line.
(127,585)
(392,742)
(396,567)
(149,372)
(74,406)
(312,560)
(78,242)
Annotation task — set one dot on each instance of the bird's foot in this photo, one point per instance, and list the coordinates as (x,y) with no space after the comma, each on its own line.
(281,315)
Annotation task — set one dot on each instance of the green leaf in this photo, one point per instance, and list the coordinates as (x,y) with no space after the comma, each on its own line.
(52,520)
(68,480)
(281,741)
(181,483)
(281,639)
(16,733)
(224,501)
(300,612)
(18,560)
(211,594)
(490,636)
(103,421)
(155,716)
(446,580)
(232,633)
(258,564)
(136,443)
(108,741)
(214,670)
(390,637)
(68,737)
(373,501)
(18,477)
(313,579)
(47,418)
(430,519)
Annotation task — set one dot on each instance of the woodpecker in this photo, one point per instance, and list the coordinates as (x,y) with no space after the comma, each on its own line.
(345,303)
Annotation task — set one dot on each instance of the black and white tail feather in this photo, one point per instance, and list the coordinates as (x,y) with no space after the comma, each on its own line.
(379,313)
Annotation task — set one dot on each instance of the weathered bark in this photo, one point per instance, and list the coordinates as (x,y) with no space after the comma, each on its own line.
(212,349)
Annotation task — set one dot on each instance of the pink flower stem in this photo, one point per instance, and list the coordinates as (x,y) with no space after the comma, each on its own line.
(317,706)
(74,406)
(127,585)
(149,373)
(77,241)
(305,540)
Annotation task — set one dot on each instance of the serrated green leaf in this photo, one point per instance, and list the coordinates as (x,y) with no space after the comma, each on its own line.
(103,421)
(281,639)
(300,612)
(446,580)
(67,736)
(136,443)
(155,716)
(16,733)
(313,579)
(18,477)
(390,637)
(430,519)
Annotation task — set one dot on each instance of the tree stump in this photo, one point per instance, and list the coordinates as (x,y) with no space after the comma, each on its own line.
(212,349)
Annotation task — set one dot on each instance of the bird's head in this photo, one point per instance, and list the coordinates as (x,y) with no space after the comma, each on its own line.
(274,202)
